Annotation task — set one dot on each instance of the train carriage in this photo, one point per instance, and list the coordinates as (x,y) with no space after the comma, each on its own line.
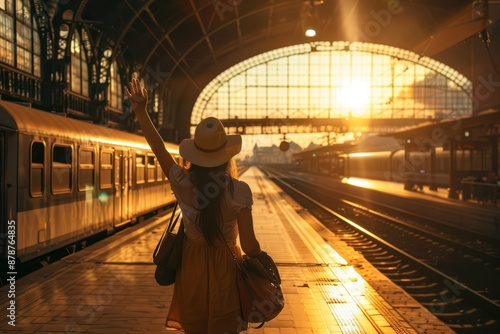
(63,180)
(381,165)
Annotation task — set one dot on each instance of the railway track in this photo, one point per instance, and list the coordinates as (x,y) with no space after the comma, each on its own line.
(456,279)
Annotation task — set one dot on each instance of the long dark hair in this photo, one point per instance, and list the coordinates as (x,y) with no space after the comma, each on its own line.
(210,184)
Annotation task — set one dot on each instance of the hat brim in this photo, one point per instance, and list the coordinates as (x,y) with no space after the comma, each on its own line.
(191,153)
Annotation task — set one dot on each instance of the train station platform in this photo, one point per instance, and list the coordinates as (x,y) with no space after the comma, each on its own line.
(439,195)
(481,218)
(109,287)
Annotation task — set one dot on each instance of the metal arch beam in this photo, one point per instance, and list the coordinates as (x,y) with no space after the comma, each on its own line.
(127,27)
(453,31)
(202,27)
(194,45)
(237,21)
(81,7)
(177,61)
(167,38)
(159,42)
(160,28)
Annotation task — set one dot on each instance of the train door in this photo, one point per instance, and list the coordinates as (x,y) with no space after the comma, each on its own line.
(121,198)
(85,176)
(9,145)
(126,179)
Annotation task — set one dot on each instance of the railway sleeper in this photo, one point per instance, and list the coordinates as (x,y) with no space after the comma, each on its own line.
(348,233)
(348,239)
(364,245)
(386,264)
(399,273)
(438,302)
(367,246)
(408,280)
(392,268)
(353,242)
(425,297)
(429,287)
(357,241)
(369,250)
(353,239)
(464,315)
(380,257)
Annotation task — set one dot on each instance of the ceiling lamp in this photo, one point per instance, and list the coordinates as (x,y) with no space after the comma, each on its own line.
(310,17)
(108,52)
(310,32)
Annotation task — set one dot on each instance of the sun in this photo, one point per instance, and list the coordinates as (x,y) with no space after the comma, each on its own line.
(355,95)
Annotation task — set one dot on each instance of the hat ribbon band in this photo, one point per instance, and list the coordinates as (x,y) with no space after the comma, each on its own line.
(210,150)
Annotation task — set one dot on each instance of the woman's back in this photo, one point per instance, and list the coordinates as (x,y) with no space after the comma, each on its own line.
(236,195)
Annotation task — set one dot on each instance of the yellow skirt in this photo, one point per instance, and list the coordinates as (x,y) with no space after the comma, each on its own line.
(205,298)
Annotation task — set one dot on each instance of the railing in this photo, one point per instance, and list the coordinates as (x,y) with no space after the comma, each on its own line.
(78,105)
(483,192)
(20,84)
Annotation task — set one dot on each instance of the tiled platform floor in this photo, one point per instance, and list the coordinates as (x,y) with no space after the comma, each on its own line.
(110,288)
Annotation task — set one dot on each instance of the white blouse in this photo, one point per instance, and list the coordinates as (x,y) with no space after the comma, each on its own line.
(190,200)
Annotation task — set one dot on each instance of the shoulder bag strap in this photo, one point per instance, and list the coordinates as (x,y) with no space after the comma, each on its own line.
(170,227)
(174,218)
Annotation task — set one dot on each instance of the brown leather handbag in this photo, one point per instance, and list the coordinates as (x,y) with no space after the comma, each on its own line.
(168,253)
(259,288)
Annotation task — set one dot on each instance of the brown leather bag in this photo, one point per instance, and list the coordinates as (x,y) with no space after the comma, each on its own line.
(261,298)
(168,253)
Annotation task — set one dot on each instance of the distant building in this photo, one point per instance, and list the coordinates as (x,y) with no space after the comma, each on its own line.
(274,155)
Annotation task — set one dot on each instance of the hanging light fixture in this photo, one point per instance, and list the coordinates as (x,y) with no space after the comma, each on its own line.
(310,32)
(108,52)
(310,26)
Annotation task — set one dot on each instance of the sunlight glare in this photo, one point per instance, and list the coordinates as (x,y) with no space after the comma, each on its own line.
(355,94)
(357,182)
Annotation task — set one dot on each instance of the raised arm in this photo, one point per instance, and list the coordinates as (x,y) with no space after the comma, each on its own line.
(139,98)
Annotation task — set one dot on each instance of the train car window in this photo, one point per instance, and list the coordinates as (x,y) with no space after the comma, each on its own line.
(160,176)
(106,169)
(86,169)
(140,162)
(37,169)
(62,168)
(151,168)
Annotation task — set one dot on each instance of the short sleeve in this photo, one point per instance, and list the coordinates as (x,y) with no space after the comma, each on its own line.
(175,176)
(242,196)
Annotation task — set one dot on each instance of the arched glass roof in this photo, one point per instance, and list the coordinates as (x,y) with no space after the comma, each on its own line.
(336,79)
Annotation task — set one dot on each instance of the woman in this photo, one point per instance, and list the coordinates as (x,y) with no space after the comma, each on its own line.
(216,208)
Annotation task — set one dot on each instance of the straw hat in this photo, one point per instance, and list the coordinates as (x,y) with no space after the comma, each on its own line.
(211,145)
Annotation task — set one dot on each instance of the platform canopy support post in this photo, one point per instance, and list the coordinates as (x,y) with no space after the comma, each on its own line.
(453,190)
